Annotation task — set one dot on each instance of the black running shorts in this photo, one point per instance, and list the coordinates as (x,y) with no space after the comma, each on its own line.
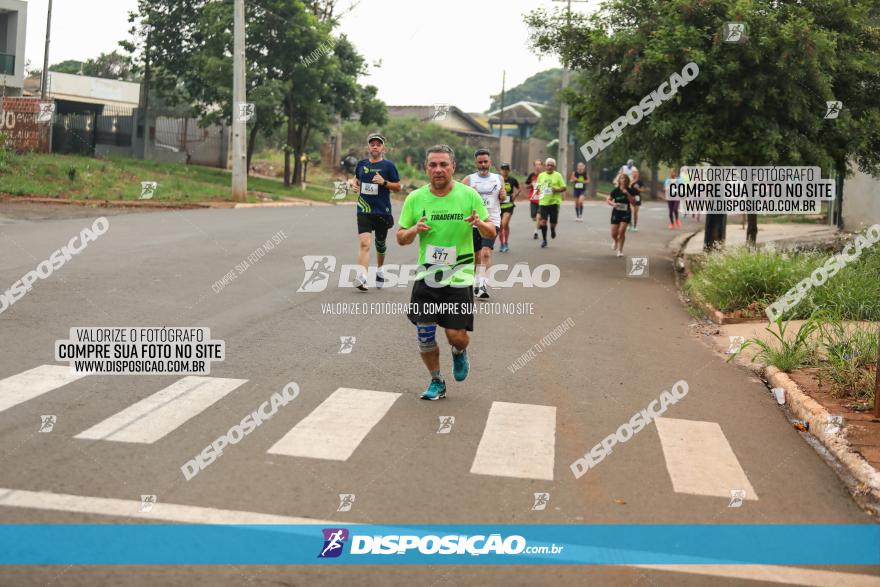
(550,212)
(378,223)
(447,306)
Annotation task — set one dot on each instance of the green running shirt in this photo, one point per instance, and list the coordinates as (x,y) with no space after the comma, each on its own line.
(447,250)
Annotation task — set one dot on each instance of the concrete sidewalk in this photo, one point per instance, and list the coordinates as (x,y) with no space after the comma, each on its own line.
(781,235)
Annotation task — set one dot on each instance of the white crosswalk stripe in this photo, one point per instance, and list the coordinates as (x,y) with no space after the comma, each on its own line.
(158,415)
(335,428)
(519,440)
(699,459)
(34,383)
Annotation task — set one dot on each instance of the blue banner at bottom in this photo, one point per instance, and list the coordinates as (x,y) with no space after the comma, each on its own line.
(148,544)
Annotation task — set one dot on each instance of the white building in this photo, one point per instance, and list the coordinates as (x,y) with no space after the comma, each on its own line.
(13,23)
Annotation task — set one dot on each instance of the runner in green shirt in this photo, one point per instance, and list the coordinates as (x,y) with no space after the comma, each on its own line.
(552,186)
(443,215)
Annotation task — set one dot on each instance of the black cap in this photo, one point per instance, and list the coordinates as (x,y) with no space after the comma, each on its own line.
(375,135)
(504,166)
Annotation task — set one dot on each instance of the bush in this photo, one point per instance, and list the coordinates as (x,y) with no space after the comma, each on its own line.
(739,278)
(732,279)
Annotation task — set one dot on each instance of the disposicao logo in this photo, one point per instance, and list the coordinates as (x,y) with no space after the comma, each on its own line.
(334,542)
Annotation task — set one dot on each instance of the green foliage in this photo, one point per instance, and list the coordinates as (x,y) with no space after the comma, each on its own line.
(733,278)
(854,292)
(542,88)
(297,72)
(785,352)
(6,153)
(761,102)
(409,137)
(849,352)
(86,178)
(738,278)
(113,65)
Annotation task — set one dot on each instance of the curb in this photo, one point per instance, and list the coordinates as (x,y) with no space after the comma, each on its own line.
(864,480)
(159,204)
(832,437)
(107,203)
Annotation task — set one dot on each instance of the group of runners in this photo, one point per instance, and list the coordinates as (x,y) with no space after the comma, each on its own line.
(456,224)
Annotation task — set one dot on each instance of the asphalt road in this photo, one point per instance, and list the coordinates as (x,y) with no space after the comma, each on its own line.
(629,342)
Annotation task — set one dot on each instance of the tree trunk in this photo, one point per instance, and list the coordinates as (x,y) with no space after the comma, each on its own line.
(252,141)
(752,231)
(297,168)
(301,138)
(715,231)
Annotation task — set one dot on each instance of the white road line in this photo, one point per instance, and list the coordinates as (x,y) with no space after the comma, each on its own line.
(33,383)
(519,440)
(699,459)
(188,514)
(336,427)
(130,508)
(153,417)
(773,574)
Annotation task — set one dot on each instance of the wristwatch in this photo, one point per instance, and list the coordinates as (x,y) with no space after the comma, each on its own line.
(384,182)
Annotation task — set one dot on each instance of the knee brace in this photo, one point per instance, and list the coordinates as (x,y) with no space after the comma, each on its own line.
(427,337)
(380,246)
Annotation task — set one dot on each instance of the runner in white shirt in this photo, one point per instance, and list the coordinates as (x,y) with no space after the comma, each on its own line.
(490,186)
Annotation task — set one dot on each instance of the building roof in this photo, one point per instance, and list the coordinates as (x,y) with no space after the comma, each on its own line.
(434,113)
(93,90)
(522,112)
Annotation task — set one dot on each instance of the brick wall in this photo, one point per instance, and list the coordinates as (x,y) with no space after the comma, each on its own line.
(18,120)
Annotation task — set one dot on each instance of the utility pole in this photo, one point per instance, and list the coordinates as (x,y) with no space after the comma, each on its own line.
(562,163)
(44,82)
(503,83)
(239,125)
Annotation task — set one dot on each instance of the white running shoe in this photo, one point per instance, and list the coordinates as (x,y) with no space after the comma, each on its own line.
(619,254)
(360,282)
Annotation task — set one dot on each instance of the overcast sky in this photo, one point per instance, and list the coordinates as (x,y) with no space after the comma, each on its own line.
(451,52)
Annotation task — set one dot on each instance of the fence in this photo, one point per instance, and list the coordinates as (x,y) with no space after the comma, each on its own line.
(98,130)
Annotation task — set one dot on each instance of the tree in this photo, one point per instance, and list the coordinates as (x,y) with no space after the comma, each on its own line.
(113,65)
(298,74)
(72,66)
(541,88)
(408,138)
(756,103)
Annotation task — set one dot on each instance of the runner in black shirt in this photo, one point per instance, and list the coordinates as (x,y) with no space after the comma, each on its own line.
(639,186)
(622,198)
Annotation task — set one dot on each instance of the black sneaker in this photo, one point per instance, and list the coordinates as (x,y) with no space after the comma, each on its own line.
(543,244)
(535,235)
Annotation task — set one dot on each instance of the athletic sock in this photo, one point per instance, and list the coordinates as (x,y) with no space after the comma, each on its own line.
(544,232)
(456,351)
(436,375)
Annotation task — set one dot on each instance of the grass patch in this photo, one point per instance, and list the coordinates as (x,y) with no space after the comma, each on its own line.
(786,353)
(850,358)
(86,178)
(741,279)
